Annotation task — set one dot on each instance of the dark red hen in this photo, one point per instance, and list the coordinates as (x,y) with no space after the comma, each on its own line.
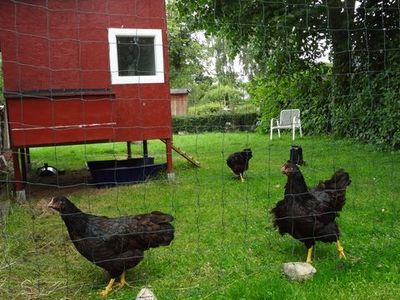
(239,162)
(115,244)
(309,215)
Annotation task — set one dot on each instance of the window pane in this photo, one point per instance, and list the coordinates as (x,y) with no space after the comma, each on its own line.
(136,56)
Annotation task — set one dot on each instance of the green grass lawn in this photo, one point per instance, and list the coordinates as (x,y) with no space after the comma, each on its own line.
(225,246)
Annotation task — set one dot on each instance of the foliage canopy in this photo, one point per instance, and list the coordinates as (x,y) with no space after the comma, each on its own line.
(285,40)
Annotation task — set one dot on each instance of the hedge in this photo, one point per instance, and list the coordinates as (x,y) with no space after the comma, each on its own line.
(215,122)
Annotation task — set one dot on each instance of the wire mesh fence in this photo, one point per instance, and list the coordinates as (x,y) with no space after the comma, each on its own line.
(89,82)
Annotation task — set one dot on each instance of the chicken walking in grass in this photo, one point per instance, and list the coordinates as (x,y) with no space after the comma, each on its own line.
(114,244)
(309,215)
(239,162)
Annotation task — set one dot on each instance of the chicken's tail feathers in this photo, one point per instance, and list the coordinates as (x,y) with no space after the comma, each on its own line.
(230,162)
(161,232)
(160,217)
(164,236)
(279,219)
(336,186)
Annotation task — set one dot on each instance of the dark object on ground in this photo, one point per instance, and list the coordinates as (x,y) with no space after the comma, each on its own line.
(133,170)
(239,162)
(296,155)
(47,170)
(309,215)
(115,244)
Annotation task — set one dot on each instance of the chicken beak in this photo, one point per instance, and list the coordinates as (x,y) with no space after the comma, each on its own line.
(283,169)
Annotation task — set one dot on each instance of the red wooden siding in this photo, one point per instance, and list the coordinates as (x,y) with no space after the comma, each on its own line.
(57,45)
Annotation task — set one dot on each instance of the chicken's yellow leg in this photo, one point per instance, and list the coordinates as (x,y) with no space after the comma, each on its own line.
(340,250)
(241,177)
(309,255)
(108,288)
(122,281)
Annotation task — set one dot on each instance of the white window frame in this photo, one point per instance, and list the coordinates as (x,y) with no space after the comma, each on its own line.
(113,33)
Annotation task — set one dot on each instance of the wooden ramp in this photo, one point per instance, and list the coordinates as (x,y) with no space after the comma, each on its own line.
(188,157)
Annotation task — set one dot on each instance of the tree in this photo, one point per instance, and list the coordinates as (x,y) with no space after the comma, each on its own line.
(293,33)
(220,51)
(186,53)
(197,64)
(286,39)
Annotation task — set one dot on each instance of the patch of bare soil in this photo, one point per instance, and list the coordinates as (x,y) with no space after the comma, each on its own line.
(69,182)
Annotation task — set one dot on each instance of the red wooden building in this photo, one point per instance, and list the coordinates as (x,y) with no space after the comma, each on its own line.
(84,71)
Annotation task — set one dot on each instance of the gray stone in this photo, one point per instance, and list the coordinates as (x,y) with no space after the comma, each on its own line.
(298,271)
(145,294)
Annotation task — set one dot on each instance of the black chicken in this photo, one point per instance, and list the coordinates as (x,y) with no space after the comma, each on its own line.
(115,244)
(239,162)
(309,215)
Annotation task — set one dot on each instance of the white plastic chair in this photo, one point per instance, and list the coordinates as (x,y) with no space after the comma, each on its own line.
(288,119)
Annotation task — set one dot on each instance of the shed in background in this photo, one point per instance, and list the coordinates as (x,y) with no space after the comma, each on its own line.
(179,102)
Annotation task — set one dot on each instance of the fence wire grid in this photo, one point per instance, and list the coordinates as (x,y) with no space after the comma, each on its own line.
(96,82)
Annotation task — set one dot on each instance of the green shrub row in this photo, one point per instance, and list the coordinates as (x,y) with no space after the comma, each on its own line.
(215,122)
(369,112)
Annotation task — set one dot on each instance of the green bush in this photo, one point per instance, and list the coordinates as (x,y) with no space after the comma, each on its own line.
(213,108)
(215,122)
(372,114)
(226,95)
(369,113)
(205,109)
(308,91)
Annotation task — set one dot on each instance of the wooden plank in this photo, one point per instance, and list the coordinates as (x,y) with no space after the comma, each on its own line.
(188,157)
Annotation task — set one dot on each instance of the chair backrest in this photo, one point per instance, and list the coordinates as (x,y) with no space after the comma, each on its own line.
(287,115)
